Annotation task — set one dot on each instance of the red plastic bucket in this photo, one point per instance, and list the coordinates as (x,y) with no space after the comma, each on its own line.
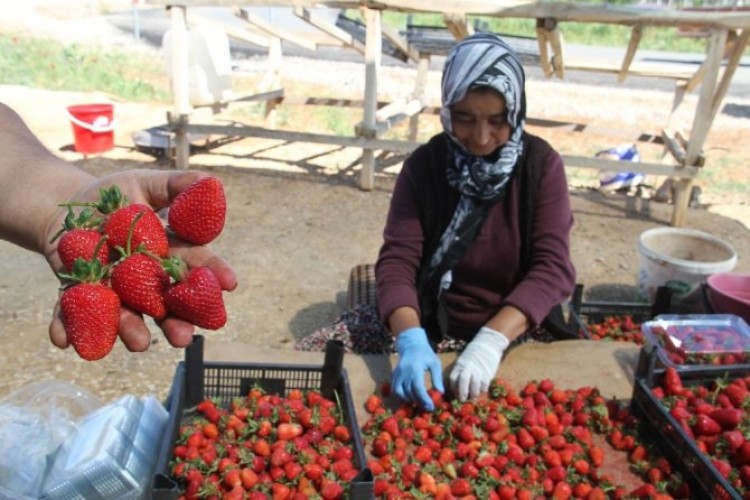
(93,127)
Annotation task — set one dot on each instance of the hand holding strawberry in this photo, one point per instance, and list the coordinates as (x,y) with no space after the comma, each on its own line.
(156,190)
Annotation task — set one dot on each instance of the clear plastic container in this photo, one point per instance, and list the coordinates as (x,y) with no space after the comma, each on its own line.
(111,454)
(699,341)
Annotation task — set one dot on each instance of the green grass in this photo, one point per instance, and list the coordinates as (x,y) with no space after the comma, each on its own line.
(50,65)
(573,32)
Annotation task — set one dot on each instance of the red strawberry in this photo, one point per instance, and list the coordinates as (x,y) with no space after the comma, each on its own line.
(81,244)
(148,230)
(79,238)
(141,281)
(197,214)
(195,296)
(90,311)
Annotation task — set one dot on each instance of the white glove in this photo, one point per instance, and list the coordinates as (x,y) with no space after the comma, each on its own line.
(477,365)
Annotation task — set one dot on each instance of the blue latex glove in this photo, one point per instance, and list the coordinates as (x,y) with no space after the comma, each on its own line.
(415,356)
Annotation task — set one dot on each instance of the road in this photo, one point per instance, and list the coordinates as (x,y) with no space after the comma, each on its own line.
(152,23)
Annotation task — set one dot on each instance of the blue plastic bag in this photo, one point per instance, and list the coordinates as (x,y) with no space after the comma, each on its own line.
(614,181)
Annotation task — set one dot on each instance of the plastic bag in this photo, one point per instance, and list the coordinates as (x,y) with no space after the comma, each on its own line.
(616,181)
(34,420)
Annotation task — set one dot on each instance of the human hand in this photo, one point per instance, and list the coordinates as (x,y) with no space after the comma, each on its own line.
(477,365)
(157,189)
(415,357)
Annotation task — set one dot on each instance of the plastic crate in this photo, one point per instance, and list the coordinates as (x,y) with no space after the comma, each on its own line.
(195,380)
(583,314)
(677,341)
(704,479)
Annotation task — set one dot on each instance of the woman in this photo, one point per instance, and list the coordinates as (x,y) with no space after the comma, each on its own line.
(476,244)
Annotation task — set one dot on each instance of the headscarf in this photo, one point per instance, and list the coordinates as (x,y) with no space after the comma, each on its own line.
(480,60)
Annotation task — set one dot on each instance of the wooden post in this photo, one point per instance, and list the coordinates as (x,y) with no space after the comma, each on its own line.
(373,51)
(701,124)
(180,85)
(635,38)
(422,70)
(274,80)
(542,40)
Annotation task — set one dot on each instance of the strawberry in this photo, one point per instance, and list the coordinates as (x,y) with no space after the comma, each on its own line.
(141,281)
(79,238)
(149,231)
(90,310)
(81,244)
(198,213)
(195,296)
(120,214)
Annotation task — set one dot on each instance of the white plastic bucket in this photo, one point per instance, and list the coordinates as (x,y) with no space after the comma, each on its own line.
(681,259)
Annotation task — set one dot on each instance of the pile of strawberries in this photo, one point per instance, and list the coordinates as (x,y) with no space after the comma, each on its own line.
(116,254)
(539,442)
(715,416)
(265,446)
(621,328)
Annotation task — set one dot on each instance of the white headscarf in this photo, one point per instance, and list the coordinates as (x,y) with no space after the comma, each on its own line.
(480,60)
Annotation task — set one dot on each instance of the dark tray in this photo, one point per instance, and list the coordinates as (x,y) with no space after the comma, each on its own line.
(582,314)
(696,467)
(196,379)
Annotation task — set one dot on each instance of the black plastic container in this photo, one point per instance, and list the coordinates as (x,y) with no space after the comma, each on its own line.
(681,450)
(582,314)
(196,379)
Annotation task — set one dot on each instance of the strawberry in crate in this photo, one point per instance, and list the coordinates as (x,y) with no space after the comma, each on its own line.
(621,328)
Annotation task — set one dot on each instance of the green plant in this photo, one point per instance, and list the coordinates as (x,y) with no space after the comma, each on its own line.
(52,65)
(654,38)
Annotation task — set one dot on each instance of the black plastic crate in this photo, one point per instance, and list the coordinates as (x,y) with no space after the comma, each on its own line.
(583,314)
(196,379)
(681,450)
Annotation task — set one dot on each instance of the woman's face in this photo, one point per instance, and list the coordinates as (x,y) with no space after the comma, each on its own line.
(480,121)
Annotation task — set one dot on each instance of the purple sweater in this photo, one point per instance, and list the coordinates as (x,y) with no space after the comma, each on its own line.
(486,277)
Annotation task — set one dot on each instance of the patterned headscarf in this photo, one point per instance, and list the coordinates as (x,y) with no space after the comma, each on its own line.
(480,60)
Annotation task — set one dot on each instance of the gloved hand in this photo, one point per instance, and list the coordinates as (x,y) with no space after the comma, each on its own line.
(477,365)
(415,356)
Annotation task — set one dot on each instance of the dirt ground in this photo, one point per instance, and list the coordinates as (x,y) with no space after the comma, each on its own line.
(297,221)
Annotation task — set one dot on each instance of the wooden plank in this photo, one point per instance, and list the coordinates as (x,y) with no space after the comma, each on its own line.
(457,25)
(640,167)
(641,69)
(275,31)
(373,51)
(542,38)
(635,39)
(423,66)
(630,15)
(555,38)
(392,114)
(241,130)
(328,28)
(674,146)
(180,86)
(738,48)
(231,31)
(399,42)
(400,146)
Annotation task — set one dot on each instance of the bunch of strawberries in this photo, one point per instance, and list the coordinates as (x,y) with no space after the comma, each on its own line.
(116,254)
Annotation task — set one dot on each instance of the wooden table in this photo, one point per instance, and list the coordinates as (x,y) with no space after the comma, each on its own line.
(570,364)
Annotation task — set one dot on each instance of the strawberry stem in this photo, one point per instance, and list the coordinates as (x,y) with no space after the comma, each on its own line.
(176,267)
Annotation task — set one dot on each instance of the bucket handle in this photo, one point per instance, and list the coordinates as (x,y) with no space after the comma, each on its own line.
(90,126)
